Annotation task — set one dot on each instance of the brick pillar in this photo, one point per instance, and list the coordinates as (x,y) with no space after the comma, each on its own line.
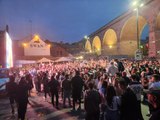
(152,45)
(157,43)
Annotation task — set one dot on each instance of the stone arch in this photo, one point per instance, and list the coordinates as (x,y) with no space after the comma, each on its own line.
(110,42)
(158,22)
(96,45)
(88,47)
(128,37)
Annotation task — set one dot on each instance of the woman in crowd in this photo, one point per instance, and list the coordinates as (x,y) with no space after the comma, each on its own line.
(112,104)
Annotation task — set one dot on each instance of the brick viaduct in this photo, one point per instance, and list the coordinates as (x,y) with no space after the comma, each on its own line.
(119,37)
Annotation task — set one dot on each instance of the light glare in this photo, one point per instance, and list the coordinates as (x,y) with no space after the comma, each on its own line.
(9,55)
(135,3)
(141,5)
(110,46)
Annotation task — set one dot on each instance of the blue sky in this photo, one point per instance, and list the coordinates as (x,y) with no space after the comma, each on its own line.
(58,20)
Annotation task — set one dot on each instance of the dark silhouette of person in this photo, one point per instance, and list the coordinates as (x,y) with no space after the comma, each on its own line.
(22,98)
(154,100)
(30,83)
(77,85)
(92,101)
(45,85)
(11,88)
(66,85)
(129,106)
(54,88)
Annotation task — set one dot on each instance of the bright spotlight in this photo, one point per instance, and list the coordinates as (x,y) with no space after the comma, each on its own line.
(135,3)
(110,46)
(49,45)
(86,37)
(141,5)
(135,9)
(24,44)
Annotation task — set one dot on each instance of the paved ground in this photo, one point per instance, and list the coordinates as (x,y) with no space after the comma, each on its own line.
(40,109)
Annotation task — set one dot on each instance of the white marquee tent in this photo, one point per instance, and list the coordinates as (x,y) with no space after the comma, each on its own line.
(44,60)
(64,59)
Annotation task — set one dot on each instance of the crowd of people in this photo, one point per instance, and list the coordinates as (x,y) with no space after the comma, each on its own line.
(111,90)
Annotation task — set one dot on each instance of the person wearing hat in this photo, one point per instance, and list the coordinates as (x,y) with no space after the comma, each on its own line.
(154,99)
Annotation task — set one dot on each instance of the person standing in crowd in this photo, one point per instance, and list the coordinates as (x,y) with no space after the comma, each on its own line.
(128,108)
(116,86)
(154,99)
(77,86)
(22,98)
(153,83)
(66,85)
(112,105)
(29,82)
(119,65)
(35,79)
(103,89)
(137,88)
(61,78)
(112,70)
(135,72)
(39,77)
(124,76)
(11,88)
(54,88)
(92,101)
(45,85)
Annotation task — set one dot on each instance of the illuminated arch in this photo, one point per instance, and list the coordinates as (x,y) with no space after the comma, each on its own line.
(110,42)
(88,47)
(110,37)
(158,22)
(128,37)
(96,45)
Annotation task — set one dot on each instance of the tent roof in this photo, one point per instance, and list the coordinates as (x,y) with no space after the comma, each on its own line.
(44,60)
(63,59)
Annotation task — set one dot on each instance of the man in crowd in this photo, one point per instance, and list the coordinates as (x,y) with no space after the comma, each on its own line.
(77,85)
(22,98)
(119,65)
(11,88)
(137,88)
(91,103)
(112,70)
(128,108)
(66,85)
(154,100)
(54,88)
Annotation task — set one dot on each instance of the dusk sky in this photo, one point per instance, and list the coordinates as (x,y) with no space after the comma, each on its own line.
(58,20)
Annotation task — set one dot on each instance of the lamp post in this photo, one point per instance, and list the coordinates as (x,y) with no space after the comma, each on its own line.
(138,4)
(137,26)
